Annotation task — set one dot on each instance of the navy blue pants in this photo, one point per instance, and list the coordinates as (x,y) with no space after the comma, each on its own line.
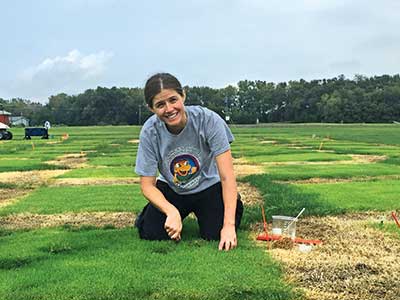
(207,205)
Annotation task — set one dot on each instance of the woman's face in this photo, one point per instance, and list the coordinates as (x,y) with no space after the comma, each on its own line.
(168,106)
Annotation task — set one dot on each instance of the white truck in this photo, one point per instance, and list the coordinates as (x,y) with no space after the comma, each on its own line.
(4,133)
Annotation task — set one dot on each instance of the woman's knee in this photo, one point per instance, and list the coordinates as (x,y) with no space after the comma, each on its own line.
(150,224)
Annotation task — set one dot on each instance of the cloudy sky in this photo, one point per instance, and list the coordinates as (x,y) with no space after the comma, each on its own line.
(48,47)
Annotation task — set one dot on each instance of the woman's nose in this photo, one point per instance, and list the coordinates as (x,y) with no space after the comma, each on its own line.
(168,106)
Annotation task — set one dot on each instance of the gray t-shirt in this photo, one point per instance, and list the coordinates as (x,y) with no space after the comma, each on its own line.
(186,161)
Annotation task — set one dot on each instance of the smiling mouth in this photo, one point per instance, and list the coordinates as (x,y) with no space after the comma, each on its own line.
(172,116)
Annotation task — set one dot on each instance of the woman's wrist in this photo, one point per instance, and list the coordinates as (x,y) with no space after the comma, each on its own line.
(229,223)
(171,211)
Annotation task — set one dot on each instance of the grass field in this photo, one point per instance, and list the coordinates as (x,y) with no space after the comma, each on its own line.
(346,176)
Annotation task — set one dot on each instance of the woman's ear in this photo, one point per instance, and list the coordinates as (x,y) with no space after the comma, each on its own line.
(150,108)
(184,95)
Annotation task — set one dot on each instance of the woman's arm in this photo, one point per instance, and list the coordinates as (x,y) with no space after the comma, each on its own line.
(228,239)
(173,223)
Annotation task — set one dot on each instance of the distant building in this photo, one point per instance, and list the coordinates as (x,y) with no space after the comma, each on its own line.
(19,121)
(5,117)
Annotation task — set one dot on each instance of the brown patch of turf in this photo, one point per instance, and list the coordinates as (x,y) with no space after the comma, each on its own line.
(94,181)
(243,168)
(10,196)
(249,194)
(72,161)
(30,178)
(96,219)
(317,180)
(354,262)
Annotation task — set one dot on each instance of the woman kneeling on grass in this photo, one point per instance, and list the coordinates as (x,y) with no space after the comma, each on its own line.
(189,147)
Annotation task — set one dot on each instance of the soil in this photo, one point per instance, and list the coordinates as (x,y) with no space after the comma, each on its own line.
(97,219)
(355,261)
(284,243)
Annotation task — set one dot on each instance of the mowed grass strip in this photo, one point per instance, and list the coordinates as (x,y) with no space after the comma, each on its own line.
(306,157)
(381,195)
(113,161)
(369,133)
(323,199)
(356,148)
(304,171)
(52,200)
(109,172)
(116,264)
(11,165)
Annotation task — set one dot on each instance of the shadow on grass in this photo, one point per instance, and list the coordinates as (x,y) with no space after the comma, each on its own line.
(394,160)
(15,263)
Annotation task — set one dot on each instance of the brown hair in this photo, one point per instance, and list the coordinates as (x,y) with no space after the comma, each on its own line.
(158,82)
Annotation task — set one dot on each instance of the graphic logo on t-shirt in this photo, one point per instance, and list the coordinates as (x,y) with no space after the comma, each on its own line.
(183,164)
(184,168)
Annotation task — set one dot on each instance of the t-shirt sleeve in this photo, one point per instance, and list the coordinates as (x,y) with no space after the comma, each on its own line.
(146,159)
(219,136)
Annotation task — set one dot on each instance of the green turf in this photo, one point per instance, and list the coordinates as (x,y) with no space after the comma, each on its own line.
(113,161)
(323,199)
(394,160)
(5,185)
(88,263)
(297,172)
(310,156)
(356,196)
(106,172)
(115,264)
(51,200)
(389,227)
(370,133)
(9,165)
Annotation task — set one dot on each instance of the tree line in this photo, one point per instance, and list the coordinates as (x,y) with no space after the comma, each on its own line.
(361,99)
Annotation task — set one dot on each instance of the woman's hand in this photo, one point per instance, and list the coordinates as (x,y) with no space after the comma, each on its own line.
(173,225)
(228,238)
(229,195)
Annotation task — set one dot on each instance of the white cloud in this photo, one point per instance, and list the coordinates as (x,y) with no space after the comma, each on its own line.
(72,73)
(74,65)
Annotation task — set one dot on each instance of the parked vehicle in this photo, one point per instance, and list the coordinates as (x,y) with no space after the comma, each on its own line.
(4,133)
(36,131)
